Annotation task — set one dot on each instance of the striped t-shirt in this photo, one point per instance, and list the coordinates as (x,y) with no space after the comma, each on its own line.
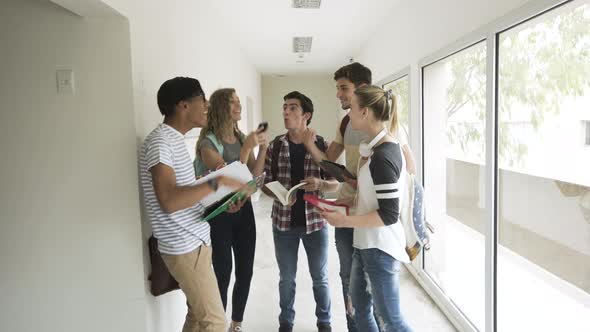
(182,231)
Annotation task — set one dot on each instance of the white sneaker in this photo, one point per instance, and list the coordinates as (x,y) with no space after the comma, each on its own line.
(235,329)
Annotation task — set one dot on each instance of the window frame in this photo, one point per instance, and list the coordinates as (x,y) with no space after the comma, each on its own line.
(400,74)
(489,33)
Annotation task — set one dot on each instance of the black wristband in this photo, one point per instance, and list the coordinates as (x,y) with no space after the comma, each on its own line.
(213,184)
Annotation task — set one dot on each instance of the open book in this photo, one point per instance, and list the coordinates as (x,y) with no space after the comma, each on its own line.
(326,205)
(283,195)
(336,170)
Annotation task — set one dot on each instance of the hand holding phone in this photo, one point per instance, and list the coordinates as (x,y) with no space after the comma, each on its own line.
(262,127)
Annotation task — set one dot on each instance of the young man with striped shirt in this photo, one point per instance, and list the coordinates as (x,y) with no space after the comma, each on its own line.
(172,202)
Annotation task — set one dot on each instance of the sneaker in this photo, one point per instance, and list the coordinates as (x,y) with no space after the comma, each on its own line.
(285,327)
(324,327)
(235,329)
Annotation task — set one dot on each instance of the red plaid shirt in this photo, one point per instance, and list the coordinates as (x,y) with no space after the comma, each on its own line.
(281,215)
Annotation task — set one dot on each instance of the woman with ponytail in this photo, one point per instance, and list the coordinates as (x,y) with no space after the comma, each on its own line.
(379,238)
(417,206)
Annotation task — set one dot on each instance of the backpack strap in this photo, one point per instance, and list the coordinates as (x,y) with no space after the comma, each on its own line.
(343,125)
(321,144)
(276,149)
(198,163)
(218,145)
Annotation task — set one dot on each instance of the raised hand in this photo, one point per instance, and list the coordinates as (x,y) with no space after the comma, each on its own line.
(309,137)
(262,139)
(251,140)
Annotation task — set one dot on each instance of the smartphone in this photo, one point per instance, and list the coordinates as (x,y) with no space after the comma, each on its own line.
(262,127)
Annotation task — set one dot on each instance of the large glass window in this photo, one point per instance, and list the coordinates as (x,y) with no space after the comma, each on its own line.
(544,175)
(454,166)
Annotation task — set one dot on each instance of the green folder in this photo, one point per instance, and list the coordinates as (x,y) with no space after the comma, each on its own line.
(234,197)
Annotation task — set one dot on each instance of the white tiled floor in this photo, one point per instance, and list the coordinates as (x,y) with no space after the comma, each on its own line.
(263,309)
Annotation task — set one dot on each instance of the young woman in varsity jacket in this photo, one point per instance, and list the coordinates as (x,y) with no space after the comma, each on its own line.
(379,238)
(221,141)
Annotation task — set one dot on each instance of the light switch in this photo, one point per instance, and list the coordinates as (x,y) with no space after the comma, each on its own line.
(65,82)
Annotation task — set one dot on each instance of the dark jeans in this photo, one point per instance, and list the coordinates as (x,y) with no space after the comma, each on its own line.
(343,237)
(286,251)
(235,231)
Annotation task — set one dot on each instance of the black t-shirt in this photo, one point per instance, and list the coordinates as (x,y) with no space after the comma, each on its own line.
(297,158)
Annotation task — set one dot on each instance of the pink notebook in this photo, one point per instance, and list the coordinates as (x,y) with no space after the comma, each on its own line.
(325,205)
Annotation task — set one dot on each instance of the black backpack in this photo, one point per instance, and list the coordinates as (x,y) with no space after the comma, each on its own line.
(276,149)
(343,125)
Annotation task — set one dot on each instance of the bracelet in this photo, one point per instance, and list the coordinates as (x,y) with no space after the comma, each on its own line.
(213,184)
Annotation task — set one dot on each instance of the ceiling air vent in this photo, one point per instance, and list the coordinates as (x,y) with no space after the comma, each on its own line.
(302,44)
(307,3)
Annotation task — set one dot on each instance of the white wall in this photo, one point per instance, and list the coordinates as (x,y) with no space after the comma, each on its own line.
(321,89)
(69,213)
(180,38)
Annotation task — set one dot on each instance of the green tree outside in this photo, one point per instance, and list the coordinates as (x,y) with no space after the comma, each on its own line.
(541,65)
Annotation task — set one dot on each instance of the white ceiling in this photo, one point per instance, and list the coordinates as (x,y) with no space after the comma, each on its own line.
(265,29)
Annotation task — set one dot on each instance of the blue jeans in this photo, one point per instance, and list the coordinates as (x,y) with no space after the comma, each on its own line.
(374,283)
(344,237)
(286,251)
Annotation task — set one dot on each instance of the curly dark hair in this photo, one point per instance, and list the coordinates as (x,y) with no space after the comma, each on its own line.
(219,121)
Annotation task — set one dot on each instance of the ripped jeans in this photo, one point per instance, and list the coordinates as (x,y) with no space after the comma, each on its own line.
(345,250)
(374,283)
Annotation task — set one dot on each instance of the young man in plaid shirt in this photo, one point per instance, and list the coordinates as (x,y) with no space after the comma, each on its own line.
(299,221)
